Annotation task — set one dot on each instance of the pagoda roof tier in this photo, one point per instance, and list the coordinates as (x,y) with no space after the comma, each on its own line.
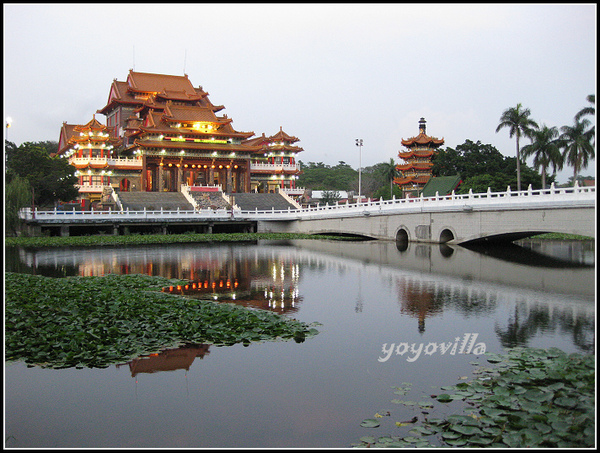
(415,153)
(423,139)
(278,142)
(203,146)
(290,148)
(415,166)
(419,179)
(283,137)
(92,125)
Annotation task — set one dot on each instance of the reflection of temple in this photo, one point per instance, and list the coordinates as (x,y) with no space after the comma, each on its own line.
(416,169)
(168,360)
(248,287)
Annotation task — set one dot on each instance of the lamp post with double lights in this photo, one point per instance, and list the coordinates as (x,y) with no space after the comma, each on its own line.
(359,143)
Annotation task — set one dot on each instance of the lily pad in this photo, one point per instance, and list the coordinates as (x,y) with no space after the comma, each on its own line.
(370,423)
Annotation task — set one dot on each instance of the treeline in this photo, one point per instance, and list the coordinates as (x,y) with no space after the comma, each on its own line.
(479,165)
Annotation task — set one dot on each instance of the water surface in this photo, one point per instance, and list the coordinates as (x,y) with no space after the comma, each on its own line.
(310,394)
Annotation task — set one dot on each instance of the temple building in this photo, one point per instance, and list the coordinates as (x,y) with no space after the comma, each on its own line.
(162,133)
(416,169)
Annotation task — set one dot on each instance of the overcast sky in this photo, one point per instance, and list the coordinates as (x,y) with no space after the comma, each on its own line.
(326,73)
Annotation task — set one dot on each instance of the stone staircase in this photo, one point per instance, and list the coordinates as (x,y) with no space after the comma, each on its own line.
(171,201)
(154,201)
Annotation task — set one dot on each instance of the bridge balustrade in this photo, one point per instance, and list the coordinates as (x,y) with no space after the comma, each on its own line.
(548,197)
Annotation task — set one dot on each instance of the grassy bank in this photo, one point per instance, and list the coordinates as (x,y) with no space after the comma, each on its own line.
(145,239)
(562,237)
(98,321)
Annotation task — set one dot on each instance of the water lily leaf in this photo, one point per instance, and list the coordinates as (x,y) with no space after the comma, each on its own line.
(370,423)
(451,435)
(565,402)
(466,429)
(367,439)
(536,395)
(444,398)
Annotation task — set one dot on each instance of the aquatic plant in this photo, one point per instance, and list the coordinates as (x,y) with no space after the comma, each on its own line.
(526,398)
(144,239)
(98,321)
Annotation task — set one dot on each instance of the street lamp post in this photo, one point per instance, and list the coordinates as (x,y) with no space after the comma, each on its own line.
(8,124)
(359,143)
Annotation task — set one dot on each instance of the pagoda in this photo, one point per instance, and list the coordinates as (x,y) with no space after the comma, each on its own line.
(168,134)
(89,149)
(275,166)
(416,169)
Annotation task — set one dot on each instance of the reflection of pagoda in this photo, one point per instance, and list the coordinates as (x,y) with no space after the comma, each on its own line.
(419,300)
(416,170)
(168,360)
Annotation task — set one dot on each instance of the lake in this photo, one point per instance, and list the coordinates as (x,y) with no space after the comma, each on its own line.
(386,314)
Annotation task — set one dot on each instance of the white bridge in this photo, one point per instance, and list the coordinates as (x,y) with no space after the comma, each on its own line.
(451,218)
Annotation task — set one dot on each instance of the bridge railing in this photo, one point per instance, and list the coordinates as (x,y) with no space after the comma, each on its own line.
(471,200)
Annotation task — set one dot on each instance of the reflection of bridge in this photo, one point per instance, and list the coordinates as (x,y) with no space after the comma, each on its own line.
(441,219)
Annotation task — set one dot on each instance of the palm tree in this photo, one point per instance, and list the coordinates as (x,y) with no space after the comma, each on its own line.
(389,172)
(590,110)
(577,146)
(518,123)
(545,149)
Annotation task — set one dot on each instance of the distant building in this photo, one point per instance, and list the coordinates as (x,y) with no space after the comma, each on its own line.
(162,133)
(416,169)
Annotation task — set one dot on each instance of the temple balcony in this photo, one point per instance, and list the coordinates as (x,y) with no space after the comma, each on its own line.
(106,162)
(92,188)
(272,168)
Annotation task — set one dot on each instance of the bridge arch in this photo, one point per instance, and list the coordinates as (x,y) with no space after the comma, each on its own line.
(446,235)
(402,238)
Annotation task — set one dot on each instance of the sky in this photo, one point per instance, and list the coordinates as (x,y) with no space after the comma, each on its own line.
(325,73)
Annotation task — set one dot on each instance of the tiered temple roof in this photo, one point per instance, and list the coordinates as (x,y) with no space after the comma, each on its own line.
(169,133)
(416,169)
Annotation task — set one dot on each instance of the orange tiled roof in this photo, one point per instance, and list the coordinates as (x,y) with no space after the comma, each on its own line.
(423,139)
(93,124)
(420,179)
(180,113)
(204,146)
(283,137)
(406,155)
(415,166)
(178,86)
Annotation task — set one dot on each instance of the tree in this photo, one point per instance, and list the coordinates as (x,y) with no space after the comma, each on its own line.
(52,178)
(330,197)
(545,149)
(590,110)
(481,166)
(389,172)
(18,195)
(577,145)
(467,160)
(519,124)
